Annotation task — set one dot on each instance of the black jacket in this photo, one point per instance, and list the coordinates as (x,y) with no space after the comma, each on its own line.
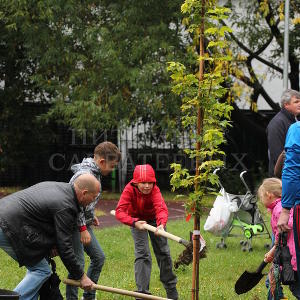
(37,219)
(276,133)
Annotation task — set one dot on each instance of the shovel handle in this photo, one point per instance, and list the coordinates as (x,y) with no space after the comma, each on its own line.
(115,290)
(166,234)
(261,266)
(161,232)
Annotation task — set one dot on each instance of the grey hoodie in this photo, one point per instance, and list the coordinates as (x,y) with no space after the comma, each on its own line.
(88,165)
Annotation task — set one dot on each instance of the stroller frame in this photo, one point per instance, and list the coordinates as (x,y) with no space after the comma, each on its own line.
(247,205)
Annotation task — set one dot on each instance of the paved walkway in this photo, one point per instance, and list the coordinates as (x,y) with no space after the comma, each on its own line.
(176,211)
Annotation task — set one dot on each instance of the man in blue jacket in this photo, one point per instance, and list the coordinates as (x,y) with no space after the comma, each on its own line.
(291,186)
(40,218)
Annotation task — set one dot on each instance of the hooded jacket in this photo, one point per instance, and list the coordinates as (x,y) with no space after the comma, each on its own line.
(86,215)
(134,205)
(291,169)
(38,218)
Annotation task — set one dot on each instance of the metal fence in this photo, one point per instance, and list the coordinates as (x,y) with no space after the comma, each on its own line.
(246,149)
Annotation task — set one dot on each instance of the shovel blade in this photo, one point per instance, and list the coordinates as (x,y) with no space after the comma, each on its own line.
(247,281)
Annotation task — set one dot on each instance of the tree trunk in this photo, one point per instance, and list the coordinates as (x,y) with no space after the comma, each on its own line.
(200,114)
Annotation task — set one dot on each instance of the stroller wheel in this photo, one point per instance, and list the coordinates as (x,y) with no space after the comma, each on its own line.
(267,246)
(260,228)
(221,246)
(243,243)
(248,233)
(245,248)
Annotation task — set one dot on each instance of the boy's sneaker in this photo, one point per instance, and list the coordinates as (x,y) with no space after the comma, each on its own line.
(172,294)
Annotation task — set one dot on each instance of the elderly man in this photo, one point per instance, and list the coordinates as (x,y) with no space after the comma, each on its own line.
(40,218)
(279,125)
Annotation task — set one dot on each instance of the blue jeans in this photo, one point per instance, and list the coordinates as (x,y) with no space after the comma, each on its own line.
(96,254)
(36,275)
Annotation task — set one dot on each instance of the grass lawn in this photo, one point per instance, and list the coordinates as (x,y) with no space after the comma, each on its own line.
(218,272)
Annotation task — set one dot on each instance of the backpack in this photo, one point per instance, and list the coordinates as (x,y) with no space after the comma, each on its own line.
(284,260)
(50,288)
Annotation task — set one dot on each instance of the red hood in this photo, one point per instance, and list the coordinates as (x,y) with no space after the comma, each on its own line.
(143,173)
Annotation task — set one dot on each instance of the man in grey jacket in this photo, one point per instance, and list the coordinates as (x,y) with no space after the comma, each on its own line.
(40,218)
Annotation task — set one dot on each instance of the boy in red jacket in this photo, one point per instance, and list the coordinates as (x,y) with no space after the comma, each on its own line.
(141,202)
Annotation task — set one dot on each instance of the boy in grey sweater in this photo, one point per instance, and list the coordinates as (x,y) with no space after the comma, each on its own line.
(106,157)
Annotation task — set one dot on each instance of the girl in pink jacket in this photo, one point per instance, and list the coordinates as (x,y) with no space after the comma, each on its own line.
(141,202)
(270,195)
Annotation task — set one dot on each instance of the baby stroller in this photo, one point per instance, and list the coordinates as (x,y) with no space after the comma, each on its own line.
(236,211)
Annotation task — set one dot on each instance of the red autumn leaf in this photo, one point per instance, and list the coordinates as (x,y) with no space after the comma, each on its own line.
(188,217)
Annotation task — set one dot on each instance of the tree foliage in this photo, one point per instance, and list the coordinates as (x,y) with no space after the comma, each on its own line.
(259,37)
(101,64)
(16,85)
(203,94)
(97,62)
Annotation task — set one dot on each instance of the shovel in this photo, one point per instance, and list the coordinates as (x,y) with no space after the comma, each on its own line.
(116,290)
(186,257)
(162,233)
(249,280)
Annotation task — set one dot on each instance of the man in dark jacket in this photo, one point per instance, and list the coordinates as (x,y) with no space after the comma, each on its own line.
(279,125)
(40,218)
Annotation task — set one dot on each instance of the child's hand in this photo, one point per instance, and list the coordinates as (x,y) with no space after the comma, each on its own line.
(85,237)
(269,256)
(140,225)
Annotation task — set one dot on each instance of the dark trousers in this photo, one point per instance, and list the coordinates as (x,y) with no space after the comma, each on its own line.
(295,288)
(143,261)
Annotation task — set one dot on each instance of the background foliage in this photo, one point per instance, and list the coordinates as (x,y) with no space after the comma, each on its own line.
(258,37)
(205,107)
(102,64)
